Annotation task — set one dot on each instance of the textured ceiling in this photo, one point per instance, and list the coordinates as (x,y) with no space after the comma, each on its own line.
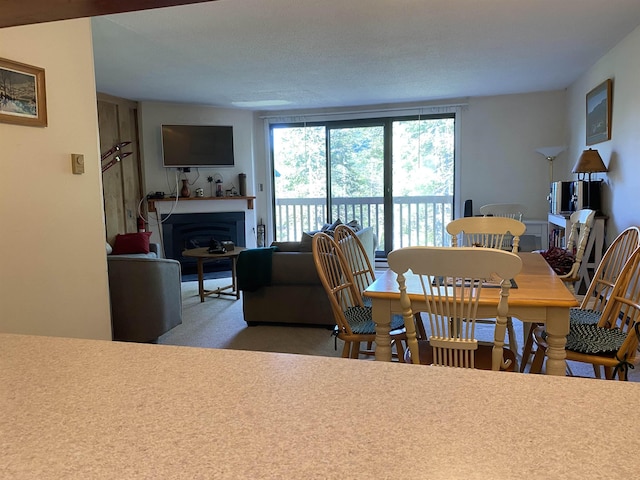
(288,54)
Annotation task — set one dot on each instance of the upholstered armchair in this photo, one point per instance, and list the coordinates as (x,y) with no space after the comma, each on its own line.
(146,298)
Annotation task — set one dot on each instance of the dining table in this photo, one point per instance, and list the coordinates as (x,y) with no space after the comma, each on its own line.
(539,296)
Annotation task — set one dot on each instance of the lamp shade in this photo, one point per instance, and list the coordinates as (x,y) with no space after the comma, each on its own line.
(589,162)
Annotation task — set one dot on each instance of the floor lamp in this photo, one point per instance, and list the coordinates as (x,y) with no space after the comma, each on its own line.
(589,162)
(550,153)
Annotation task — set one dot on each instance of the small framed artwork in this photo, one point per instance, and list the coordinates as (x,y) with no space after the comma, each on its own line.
(599,113)
(22,94)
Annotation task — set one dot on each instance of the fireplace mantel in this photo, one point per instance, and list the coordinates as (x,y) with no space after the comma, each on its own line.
(152,205)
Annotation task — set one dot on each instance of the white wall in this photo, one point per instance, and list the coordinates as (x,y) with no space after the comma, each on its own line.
(158,178)
(52,243)
(621,153)
(498,159)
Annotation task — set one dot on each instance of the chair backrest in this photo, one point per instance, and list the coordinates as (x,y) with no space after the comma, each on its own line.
(336,278)
(356,256)
(509,210)
(609,269)
(452,281)
(622,310)
(490,232)
(581,225)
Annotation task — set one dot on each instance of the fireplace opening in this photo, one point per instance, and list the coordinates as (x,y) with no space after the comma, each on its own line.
(193,230)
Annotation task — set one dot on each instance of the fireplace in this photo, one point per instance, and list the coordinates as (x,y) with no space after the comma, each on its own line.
(193,230)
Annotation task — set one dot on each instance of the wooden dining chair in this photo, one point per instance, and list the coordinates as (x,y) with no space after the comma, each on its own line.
(492,232)
(489,232)
(508,210)
(612,343)
(453,281)
(600,287)
(354,321)
(356,256)
(363,273)
(581,225)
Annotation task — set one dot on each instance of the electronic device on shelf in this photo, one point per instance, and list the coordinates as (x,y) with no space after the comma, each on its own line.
(569,197)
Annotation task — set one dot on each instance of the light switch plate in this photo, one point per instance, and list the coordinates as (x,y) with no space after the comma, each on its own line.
(77,163)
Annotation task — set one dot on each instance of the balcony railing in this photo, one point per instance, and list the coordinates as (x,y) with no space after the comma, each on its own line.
(418,220)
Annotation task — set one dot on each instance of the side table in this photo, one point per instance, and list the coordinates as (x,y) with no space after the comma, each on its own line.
(202,255)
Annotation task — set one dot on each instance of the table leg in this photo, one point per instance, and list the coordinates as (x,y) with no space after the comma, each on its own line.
(557,328)
(381,313)
(201,279)
(234,280)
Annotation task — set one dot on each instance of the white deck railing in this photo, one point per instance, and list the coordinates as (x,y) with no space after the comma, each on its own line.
(418,220)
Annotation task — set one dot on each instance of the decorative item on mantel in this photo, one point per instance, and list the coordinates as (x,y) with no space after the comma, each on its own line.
(242,182)
(185,192)
(217,178)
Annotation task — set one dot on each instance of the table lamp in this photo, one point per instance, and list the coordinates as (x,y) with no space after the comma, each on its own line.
(589,162)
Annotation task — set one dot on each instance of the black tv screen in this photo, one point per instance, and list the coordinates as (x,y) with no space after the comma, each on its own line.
(197,146)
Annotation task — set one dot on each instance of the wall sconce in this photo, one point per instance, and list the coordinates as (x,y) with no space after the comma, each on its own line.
(550,153)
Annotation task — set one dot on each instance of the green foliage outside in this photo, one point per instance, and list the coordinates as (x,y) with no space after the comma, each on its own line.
(422,165)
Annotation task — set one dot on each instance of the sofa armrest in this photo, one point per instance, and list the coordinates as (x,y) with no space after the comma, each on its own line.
(145,295)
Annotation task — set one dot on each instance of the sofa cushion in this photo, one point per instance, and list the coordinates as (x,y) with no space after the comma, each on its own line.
(306,243)
(129,243)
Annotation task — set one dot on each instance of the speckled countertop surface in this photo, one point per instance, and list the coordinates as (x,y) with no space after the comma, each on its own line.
(92,409)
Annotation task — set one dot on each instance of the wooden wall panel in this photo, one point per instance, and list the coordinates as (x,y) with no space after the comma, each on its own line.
(122,183)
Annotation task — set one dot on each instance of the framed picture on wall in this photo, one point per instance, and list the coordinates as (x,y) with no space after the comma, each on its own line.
(599,113)
(22,94)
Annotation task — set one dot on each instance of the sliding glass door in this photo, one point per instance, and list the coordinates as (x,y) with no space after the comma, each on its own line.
(356,174)
(395,175)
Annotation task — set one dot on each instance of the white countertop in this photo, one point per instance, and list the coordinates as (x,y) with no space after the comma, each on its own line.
(94,409)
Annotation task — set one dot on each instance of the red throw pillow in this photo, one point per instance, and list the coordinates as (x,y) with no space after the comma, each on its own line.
(131,243)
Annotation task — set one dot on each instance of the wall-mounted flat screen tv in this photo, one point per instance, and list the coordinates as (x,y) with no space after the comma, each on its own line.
(197,146)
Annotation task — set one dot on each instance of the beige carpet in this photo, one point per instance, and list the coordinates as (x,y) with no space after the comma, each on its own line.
(218,323)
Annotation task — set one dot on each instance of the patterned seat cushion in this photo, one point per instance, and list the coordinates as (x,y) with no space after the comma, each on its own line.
(577,315)
(591,339)
(361,321)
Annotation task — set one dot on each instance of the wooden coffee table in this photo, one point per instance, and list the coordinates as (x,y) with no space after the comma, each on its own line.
(202,255)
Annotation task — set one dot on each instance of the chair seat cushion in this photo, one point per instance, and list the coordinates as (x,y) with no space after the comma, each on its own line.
(361,321)
(577,315)
(592,339)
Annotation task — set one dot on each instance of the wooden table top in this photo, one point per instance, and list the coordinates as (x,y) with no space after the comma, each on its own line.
(537,285)
(203,252)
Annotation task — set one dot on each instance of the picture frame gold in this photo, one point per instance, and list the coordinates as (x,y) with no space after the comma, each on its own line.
(23,97)
(598,119)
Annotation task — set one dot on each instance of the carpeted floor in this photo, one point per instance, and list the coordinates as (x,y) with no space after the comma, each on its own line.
(219,323)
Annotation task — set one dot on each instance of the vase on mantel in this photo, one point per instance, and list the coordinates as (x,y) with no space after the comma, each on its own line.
(185,192)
